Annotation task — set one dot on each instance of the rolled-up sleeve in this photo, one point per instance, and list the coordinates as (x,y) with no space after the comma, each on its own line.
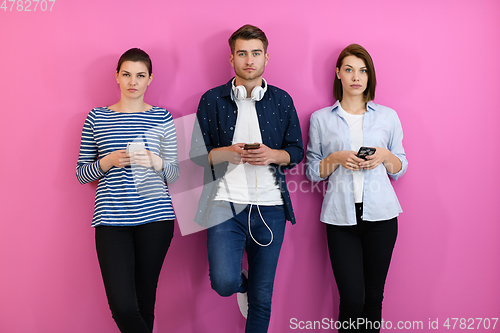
(396,147)
(200,140)
(292,139)
(314,154)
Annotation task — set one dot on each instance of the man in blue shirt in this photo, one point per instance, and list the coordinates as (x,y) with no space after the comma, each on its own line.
(247,133)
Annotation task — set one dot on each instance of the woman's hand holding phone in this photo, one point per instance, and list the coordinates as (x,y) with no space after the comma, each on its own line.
(146,159)
(349,159)
(118,158)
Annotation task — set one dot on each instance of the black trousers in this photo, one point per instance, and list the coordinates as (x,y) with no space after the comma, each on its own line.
(131,259)
(360,257)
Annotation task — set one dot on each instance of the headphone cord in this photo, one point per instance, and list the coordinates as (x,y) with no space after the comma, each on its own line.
(260,214)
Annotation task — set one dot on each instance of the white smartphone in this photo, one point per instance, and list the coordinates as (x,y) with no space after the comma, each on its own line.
(135,146)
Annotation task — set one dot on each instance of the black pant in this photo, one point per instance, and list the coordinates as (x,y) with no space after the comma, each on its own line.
(131,259)
(360,256)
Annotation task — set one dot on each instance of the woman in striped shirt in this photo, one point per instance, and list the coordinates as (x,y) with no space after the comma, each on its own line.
(131,148)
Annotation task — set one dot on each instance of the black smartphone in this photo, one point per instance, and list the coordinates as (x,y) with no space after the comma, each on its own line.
(251,146)
(365,151)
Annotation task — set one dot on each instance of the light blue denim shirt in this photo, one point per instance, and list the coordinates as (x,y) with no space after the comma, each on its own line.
(330,133)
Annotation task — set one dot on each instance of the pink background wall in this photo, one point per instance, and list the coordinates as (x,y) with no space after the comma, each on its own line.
(437,65)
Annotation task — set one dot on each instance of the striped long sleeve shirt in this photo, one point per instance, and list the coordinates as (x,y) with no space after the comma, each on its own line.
(132,195)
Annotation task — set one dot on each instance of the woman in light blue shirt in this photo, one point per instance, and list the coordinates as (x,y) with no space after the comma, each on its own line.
(360,207)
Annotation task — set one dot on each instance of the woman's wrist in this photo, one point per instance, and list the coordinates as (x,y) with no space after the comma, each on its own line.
(157,163)
(328,165)
(392,163)
(104,164)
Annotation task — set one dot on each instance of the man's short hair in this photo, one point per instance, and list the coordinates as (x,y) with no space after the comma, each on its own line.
(248,32)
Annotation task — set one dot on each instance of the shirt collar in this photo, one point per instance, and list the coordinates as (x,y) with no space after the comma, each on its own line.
(226,90)
(335,106)
(370,106)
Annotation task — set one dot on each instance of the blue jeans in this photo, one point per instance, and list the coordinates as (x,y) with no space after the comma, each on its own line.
(226,243)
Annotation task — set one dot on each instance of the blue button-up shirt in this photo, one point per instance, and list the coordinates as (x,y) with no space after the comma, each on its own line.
(328,133)
(214,127)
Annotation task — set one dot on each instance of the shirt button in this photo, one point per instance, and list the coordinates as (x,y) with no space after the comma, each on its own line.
(231,128)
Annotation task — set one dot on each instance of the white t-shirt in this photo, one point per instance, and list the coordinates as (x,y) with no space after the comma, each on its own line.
(241,181)
(355,123)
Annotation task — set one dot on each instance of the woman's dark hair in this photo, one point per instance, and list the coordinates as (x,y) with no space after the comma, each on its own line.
(359,52)
(248,32)
(135,55)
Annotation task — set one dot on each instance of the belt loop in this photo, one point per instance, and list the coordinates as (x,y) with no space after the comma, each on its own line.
(232,208)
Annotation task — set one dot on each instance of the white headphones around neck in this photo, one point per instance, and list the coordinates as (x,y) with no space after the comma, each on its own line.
(240,92)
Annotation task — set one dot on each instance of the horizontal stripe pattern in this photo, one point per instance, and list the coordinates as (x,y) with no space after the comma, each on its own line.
(132,195)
